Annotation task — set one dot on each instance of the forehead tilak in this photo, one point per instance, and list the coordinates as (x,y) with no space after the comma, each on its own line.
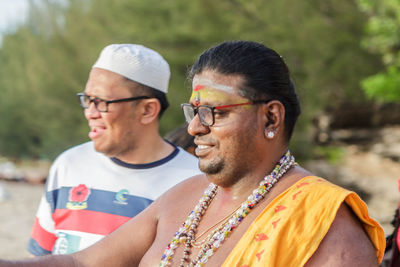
(200,83)
(204,88)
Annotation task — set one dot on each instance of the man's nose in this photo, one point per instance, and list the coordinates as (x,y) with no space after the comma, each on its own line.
(195,127)
(91,111)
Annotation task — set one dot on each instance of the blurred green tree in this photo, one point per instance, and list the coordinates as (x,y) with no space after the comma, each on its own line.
(383,38)
(47,60)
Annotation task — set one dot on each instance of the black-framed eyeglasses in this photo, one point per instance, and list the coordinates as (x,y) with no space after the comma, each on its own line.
(101,104)
(206,112)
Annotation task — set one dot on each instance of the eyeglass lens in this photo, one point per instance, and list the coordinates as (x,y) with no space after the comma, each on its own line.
(205,114)
(98,103)
(188,111)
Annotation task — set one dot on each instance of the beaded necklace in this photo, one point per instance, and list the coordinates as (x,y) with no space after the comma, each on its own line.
(186,233)
(220,223)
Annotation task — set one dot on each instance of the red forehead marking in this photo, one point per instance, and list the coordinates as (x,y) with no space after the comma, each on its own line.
(198,87)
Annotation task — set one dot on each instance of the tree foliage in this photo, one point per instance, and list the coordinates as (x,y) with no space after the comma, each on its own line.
(46,61)
(383,37)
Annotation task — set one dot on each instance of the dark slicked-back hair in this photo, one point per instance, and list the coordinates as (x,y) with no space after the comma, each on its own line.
(265,74)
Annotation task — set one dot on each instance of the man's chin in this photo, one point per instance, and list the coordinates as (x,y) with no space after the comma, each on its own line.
(100,148)
(211,167)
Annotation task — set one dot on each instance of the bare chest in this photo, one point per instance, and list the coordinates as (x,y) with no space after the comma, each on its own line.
(168,225)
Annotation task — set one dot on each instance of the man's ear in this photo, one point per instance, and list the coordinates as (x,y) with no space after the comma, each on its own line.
(274,116)
(150,108)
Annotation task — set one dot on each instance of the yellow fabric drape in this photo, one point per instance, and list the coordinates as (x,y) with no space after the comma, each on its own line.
(289,230)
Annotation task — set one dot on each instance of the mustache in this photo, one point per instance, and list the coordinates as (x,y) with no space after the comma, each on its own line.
(202,140)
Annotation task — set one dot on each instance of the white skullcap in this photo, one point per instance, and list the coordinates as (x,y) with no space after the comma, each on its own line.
(137,63)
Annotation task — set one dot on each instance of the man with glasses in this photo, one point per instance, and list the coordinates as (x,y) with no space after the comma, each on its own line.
(95,187)
(253,206)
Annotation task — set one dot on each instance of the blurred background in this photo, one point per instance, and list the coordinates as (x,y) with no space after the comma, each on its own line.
(343,56)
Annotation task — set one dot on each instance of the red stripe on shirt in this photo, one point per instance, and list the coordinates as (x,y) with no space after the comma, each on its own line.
(44,238)
(87,221)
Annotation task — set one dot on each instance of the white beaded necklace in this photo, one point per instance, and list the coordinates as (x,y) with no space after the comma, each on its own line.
(186,233)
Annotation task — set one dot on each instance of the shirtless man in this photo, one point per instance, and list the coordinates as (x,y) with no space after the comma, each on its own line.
(261,209)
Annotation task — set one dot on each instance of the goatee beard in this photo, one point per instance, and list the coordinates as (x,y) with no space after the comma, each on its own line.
(212,168)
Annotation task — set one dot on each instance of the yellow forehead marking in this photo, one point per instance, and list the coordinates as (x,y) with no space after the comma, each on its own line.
(214,92)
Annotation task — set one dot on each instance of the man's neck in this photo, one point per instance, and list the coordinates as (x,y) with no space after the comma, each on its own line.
(243,186)
(154,150)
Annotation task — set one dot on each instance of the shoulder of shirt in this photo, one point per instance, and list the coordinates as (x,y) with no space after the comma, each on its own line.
(77,153)
(183,153)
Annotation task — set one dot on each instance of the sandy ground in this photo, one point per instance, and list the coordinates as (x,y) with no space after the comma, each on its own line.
(17,216)
(374,178)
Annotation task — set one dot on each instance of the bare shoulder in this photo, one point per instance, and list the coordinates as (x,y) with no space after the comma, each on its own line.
(194,181)
(183,190)
(172,209)
(345,244)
